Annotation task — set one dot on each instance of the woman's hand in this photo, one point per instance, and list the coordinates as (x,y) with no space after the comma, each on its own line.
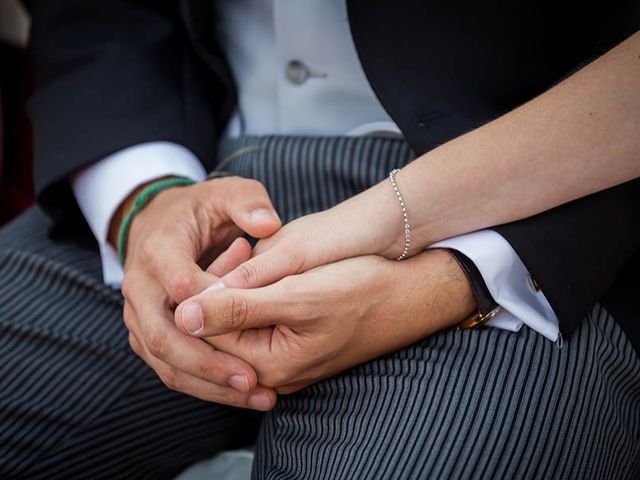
(311,326)
(370,223)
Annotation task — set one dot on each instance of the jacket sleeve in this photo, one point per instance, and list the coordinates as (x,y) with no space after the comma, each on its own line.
(111,74)
(576,251)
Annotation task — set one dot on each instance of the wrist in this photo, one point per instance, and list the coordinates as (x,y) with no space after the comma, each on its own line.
(424,294)
(439,286)
(448,270)
(123,210)
(366,224)
(389,214)
(387,219)
(414,204)
(142,200)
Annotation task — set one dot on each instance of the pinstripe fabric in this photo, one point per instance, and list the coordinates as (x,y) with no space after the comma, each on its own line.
(473,404)
(76,403)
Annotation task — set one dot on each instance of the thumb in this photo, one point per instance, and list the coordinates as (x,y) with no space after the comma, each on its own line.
(249,206)
(220,311)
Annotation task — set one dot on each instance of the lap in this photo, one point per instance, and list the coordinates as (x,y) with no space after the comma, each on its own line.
(74,400)
(472,404)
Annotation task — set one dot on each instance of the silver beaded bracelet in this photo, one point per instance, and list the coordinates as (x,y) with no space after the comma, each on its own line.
(405,216)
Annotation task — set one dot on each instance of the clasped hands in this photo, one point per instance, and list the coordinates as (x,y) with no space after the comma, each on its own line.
(312,299)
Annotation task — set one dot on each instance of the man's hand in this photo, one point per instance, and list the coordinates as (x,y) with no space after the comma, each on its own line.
(311,326)
(178,229)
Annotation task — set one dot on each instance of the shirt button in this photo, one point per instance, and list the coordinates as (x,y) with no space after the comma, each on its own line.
(297,72)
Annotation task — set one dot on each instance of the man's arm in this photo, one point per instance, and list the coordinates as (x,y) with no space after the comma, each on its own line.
(576,251)
(105,191)
(498,277)
(114,74)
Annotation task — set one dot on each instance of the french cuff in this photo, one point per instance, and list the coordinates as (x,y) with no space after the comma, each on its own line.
(102,187)
(507,281)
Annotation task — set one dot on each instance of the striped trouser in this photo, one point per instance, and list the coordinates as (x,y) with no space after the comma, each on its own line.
(76,403)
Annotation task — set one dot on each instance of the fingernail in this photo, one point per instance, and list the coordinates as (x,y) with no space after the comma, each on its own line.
(215,286)
(260,401)
(239,382)
(192,317)
(263,215)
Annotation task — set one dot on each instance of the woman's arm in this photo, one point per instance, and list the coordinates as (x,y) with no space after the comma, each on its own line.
(580,137)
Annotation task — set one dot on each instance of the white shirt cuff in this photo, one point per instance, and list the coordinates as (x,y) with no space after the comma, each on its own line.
(102,187)
(508,282)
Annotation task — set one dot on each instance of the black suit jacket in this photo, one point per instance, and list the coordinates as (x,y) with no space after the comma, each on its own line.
(112,73)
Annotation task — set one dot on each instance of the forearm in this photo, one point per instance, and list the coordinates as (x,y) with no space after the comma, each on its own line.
(577,138)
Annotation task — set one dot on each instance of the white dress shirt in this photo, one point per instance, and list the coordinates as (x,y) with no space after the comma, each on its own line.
(298,73)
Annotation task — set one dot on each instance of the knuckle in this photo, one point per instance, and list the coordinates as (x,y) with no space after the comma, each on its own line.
(236,313)
(134,345)
(204,370)
(253,185)
(127,287)
(127,316)
(170,379)
(147,250)
(229,181)
(182,286)
(247,272)
(234,186)
(242,187)
(156,345)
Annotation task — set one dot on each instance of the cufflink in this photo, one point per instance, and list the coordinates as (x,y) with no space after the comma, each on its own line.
(533,282)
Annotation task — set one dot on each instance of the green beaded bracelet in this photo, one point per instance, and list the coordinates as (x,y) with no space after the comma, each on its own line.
(141,201)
